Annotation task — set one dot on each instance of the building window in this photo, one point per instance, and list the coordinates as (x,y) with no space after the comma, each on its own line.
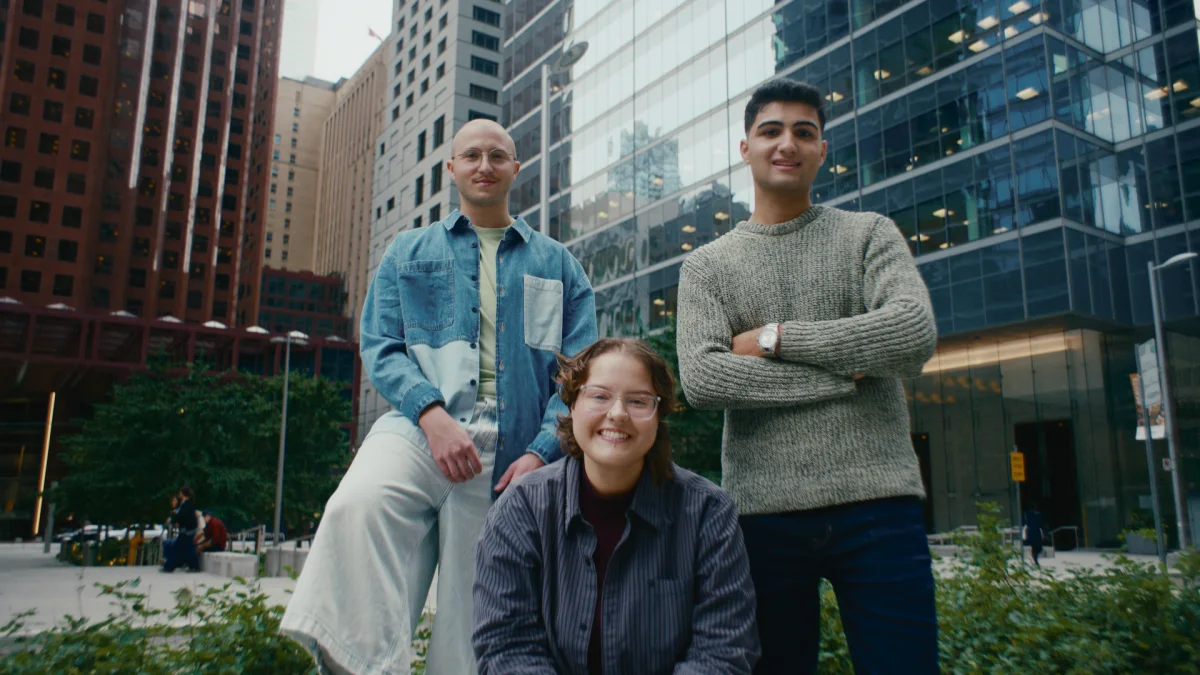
(424,85)
(18,104)
(30,7)
(295,127)
(412,76)
(484,94)
(441,71)
(428,14)
(10,172)
(396,110)
(421,146)
(408,102)
(425,62)
(68,250)
(267,253)
(419,191)
(60,46)
(291,159)
(485,16)
(291,176)
(482,65)
(84,118)
(64,285)
(95,23)
(441,49)
(439,131)
(273,188)
(31,281)
(25,71)
(72,216)
(89,86)
(48,144)
(391,204)
(39,212)
(28,38)
(416,222)
(295,112)
(43,178)
(81,150)
(8,206)
(435,213)
(435,179)
(64,14)
(271,204)
(275,156)
(285,239)
(476,115)
(486,41)
(76,183)
(35,246)
(289,192)
(287,223)
(14,137)
(398,67)
(443,22)
(270,236)
(52,111)
(287,207)
(283,255)
(57,79)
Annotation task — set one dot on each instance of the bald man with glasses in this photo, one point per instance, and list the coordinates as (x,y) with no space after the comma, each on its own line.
(460,333)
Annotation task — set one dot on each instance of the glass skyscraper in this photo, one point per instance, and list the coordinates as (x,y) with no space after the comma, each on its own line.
(1035,155)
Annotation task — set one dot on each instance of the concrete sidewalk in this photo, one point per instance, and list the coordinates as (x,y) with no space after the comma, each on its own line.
(30,579)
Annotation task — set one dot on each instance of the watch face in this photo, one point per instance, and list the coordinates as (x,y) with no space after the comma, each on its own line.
(766,340)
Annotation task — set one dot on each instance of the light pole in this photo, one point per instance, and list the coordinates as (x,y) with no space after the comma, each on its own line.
(302,340)
(570,57)
(1177,482)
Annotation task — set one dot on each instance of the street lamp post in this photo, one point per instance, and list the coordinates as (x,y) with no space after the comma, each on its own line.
(1177,482)
(301,340)
(570,57)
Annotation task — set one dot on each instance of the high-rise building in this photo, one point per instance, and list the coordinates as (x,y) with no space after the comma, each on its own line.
(1035,155)
(443,64)
(298,53)
(301,108)
(134,163)
(344,192)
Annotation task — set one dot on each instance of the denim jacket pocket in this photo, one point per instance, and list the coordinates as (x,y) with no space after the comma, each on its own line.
(427,293)
(543,313)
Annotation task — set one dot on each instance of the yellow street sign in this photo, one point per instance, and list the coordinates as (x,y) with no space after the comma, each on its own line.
(1018,466)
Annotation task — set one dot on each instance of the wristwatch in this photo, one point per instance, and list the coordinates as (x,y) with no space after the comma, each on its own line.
(768,338)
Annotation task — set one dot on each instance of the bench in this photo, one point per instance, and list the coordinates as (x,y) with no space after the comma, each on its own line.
(280,558)
(230,565)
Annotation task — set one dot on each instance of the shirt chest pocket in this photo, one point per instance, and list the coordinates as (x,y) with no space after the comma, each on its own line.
(426,293)
(543,313)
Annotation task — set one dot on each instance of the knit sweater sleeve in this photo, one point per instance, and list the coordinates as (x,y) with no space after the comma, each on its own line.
(713,377)
(897,334)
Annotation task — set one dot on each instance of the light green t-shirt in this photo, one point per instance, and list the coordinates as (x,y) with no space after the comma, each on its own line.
(489,243)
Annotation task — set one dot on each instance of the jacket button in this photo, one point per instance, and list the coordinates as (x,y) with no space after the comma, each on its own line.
(582,626)
(472,383)
(474,310)
(474,278)
(472,345)
(475,245)
(463,420)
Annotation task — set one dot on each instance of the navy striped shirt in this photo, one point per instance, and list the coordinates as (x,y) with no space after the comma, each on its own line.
(677,594)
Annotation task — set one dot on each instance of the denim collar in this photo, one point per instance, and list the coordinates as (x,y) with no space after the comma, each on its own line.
(649,501)
(457,220)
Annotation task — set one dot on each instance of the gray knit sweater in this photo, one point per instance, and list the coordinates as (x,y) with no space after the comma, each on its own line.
(800,432)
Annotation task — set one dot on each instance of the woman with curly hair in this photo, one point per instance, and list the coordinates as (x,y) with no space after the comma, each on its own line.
(614,559)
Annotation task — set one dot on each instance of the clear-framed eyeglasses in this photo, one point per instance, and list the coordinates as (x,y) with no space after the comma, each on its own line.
(598,401)
(496,158)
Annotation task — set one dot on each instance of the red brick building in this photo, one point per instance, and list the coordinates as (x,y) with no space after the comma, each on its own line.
(303,301)
(133,165)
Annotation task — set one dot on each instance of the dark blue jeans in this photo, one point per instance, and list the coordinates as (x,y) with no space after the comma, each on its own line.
(876,557)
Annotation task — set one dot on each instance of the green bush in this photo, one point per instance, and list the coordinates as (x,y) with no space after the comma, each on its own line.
(228,630)
(999,615)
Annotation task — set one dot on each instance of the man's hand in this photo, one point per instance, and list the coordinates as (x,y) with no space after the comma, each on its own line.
(519,468)
(452,447)
(746,344)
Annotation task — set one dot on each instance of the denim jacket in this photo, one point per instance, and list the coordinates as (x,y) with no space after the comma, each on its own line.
(420,332)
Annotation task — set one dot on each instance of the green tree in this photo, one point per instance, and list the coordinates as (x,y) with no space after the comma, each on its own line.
(217,433)
(695,434)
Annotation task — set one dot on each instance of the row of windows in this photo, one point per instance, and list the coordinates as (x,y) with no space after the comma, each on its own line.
(31,282)
(64,14)
(56,78)
(43,177)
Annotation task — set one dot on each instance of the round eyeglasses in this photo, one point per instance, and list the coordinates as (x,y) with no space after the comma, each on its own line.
(598,401)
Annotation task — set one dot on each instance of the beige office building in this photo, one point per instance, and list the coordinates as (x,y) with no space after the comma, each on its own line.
(301,109)
(344,193)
